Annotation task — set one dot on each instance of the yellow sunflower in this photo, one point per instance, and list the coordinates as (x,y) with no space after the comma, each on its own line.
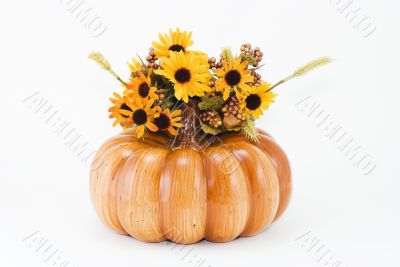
(189,73)
(141,115)
(233,75)
(176,41)
(140,87)
(257,99)
(119,104)
(167,120)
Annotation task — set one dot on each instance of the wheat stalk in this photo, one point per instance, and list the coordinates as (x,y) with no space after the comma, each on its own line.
(304,70)
(104,64)
(312,65)
(227,54)
(249,129)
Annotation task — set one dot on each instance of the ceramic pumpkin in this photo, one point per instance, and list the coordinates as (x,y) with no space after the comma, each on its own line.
(235,187)
(190,163)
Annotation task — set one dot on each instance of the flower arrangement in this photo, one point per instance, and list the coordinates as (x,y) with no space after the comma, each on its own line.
(177,88)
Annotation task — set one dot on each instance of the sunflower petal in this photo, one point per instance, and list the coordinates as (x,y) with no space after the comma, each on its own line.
(140,131)
(226,93)
(151,126)
(172,130)
(176,112)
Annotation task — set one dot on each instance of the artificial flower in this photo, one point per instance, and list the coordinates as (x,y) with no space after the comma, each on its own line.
(175,41)
(118,108)
(188,72)
(167,120)
(233,75)
(257,99)
(140,87)
(141,115)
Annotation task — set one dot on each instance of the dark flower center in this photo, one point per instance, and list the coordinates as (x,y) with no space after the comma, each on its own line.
(253,102)
(176,48)
(232,77)
(182,75)
(162,122)
(144,90)
(125,107)
(139,117)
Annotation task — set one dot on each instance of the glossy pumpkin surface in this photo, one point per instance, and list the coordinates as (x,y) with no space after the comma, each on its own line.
(231,188)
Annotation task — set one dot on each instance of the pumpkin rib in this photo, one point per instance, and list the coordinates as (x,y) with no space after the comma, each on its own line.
(95,178)
(109,209)
(183,196)
(262,132)
(99,177)
(104,151)
(148,137)
(282,166)
(280,161)
(111,143)
(118,139)
(263,186)
(98,159)
(107,147)
(227,195)
(138,204)
(104,179)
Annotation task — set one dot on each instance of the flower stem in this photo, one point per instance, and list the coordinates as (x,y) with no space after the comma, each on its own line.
(304,70)
(188,134)
(104,64)
(117,77)
(281,82)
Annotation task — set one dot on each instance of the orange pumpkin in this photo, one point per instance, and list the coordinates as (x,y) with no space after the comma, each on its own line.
(231,188)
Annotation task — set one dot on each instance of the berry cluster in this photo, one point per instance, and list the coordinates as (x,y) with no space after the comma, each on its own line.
(232,107)
(256,54)
(151,59)
(212,118)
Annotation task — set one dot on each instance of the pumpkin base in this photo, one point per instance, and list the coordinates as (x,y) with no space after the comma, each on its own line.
(155,192)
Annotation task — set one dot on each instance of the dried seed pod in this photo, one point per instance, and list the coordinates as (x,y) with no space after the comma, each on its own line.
(232,108)
(212,62)
(257,81)
(255,54)
(152,59)
(213,91)
(211,117)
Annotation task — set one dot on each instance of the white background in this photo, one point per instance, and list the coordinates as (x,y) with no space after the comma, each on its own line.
(44,186)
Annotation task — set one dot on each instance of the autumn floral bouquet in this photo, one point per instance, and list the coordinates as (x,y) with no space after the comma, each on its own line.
(176,89)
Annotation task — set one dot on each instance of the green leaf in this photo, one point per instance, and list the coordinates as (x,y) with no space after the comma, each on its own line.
(249,59)
(210,130)
(212,103)
(166,104)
